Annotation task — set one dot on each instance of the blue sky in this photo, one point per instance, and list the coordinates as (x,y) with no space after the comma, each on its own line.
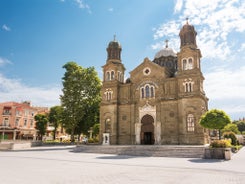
(37,37)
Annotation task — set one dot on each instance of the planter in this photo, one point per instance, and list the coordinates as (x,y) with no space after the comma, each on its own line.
(217,153)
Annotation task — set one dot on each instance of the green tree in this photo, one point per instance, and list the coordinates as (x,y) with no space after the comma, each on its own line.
(55,118)
(231,127)
(96,129)
(81,98)
(41,124)
(240,126)
(215,119)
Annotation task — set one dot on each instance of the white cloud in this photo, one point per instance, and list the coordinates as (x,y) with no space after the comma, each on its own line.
(178,6)
(110,9)
(81,4)
(15,90)
(4,61)
(6,28)
(225,89)
(214,21)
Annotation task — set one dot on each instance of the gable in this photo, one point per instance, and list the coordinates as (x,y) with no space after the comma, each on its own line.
(147,69)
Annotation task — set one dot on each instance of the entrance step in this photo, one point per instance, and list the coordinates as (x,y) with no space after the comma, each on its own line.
(181,151)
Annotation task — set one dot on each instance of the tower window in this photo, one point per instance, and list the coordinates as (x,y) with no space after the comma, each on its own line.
(188,85)
(108,94)
(108,76)
(190,64)
(112,75)
(190,123)
(187,64)
(184,64)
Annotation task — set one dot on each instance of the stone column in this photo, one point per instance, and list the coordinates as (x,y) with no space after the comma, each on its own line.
(158,132)
(137,132)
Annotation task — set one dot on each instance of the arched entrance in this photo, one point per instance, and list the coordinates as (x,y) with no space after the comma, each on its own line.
(147,130)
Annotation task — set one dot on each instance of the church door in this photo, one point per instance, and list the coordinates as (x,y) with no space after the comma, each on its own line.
(147,130)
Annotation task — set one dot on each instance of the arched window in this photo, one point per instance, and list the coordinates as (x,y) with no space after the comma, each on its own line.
(184,63)
(152,91)
(190,64)
(142,93)
(108,76)
(190,123)
(148,91)
(188,85)
(112,75)
(187,64)
(108,94)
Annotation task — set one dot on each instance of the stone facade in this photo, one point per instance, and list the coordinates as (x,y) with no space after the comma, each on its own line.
(161,102)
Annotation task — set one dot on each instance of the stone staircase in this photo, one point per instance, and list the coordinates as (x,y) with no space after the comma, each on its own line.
(181,151)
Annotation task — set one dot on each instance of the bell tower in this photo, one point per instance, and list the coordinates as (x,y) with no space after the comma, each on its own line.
(189,55)
(113,69)
(113,78)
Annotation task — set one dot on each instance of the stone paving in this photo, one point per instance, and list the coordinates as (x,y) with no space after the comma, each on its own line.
(60,165)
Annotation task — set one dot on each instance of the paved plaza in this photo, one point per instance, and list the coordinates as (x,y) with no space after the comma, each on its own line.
(60,165)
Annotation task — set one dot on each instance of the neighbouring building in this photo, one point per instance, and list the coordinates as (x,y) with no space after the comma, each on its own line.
(17,120)
(162,100)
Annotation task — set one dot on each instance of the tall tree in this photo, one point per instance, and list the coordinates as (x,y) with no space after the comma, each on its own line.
(240,126)
(55,118)
(215,119)
(81,93)
(41,124)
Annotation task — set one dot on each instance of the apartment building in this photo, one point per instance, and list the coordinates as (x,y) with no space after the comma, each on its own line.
(17,120)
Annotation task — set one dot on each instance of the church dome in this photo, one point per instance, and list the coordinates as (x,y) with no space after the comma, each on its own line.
(114,44)
(114,50)
(165,52)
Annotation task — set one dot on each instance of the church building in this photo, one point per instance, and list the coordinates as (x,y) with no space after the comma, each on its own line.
(162,100)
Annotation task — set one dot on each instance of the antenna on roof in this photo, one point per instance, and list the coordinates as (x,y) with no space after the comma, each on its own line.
(187,18)
(114,38)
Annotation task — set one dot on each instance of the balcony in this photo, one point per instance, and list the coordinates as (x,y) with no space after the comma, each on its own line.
(6,113)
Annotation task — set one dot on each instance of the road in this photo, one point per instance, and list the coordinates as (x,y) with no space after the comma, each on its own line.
(60,165)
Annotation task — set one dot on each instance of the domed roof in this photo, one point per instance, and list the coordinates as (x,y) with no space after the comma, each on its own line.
(166,52)
(187,35)
(114,44)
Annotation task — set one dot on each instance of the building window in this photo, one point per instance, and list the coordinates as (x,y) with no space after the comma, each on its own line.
(112,75)
(187,64)
(184,64)
(108,94)
(190,123)
(119,76)
(108,76)
(5,122)
(17,120)
(31,123)
(188,85)
(190,64)
(25,122)
(148,91)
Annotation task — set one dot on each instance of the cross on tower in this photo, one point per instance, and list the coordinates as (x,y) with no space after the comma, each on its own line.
(166,41)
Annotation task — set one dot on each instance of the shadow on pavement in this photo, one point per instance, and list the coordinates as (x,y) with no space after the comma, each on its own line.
(115,157)
(200,160)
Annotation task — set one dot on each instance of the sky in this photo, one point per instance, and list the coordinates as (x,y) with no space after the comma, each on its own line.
(37,37)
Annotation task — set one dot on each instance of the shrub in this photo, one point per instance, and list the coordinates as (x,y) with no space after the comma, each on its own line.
(90,140)
(220,144)
(232,136)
